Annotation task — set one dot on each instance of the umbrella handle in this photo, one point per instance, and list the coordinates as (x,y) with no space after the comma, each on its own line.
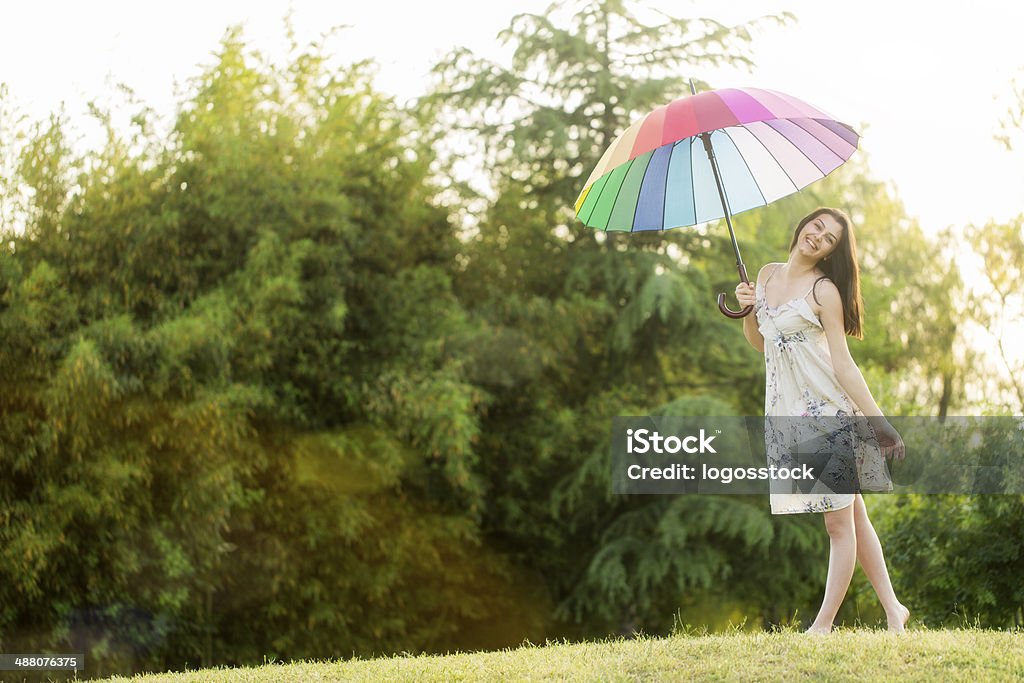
(728,312)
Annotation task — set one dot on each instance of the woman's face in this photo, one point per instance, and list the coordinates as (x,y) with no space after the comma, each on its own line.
(819,237)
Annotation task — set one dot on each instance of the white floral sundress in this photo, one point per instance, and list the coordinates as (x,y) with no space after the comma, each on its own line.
(801,382)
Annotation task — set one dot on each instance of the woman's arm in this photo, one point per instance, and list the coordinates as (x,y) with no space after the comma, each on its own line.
(746,296)
(849,375)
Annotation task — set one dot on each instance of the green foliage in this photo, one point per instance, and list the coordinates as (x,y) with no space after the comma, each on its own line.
(957,559)
(232,425)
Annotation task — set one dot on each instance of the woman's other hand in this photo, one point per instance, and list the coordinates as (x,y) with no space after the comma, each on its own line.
(890,441)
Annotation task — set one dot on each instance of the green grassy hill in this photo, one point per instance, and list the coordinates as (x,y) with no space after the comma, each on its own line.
(961,655)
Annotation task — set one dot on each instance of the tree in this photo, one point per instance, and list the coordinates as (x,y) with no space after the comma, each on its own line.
(999,309)
(229,386)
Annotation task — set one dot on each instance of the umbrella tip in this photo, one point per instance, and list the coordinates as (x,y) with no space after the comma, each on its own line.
(693,90)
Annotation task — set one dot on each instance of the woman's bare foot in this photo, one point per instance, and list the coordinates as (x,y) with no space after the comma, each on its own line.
(816,630)
(898,619)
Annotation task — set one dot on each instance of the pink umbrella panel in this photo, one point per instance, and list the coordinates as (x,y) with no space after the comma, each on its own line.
(656,175)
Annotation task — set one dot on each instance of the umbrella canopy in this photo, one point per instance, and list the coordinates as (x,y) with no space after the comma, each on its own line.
(657,175)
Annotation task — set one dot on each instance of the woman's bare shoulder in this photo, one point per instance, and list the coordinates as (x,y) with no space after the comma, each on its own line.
(823,283)
(766,271)
(826,293)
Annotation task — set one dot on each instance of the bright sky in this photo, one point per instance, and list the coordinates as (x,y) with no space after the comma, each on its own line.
(925,85)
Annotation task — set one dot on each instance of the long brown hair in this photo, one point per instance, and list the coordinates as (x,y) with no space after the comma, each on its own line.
(841,268)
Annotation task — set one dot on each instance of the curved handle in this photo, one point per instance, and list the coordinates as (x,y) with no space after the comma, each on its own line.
(728,312)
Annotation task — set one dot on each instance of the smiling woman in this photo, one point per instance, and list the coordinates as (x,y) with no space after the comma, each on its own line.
(813,385)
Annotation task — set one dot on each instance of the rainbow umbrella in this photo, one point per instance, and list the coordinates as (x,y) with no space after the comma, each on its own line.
(755,147)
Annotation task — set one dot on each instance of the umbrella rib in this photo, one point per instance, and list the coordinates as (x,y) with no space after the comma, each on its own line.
(744,160)
(777,163)
(803,153)
(824,144)
(596,200)
(726,204)
(611,211)
(668,170)
(693,189)
(664,195)
(636,207)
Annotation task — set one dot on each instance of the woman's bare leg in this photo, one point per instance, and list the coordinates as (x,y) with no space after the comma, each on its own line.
(842,559)
(869,553)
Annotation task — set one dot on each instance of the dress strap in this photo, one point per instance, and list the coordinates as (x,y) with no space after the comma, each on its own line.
(774,270)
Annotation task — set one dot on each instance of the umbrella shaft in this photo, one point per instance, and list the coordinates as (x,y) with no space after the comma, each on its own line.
(706,138)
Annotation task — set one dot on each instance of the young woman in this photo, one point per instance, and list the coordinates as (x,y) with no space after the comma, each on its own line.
(804,308)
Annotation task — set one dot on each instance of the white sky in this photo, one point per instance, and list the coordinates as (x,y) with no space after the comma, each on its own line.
(921,82)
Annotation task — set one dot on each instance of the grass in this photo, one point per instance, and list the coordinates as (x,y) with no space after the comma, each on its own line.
(846,655)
